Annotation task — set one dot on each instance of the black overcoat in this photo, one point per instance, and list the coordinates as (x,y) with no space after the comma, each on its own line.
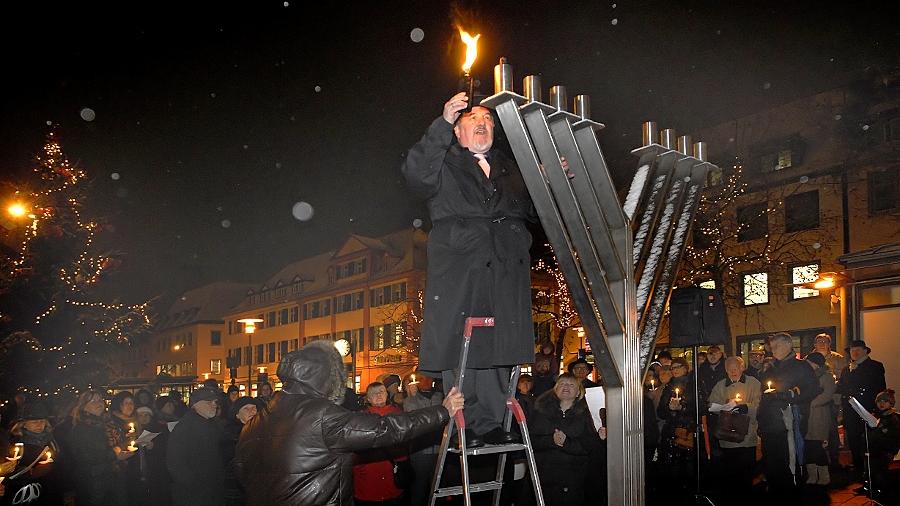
(478,258)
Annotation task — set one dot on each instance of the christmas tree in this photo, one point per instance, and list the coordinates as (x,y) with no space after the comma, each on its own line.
(57,334)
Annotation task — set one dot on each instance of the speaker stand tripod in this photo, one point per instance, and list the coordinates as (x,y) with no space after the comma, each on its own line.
(699,497)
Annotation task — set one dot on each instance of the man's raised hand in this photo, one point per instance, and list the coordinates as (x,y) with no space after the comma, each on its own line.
(454,401)
(454,106)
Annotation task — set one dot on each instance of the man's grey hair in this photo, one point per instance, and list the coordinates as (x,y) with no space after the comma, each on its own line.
(782,336)
(734,358)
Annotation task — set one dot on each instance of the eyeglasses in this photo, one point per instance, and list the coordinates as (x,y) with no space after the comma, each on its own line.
(677,366)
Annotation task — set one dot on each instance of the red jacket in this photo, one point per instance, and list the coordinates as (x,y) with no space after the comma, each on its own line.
(373,473)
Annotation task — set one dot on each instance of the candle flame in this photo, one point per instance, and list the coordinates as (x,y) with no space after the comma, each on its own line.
(471,49)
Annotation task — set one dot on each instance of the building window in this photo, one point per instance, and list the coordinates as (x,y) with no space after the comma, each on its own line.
(755,288)
(230,327)
(388,294)
(295,344)
(753,221)
(388,335)
(215,366)
(884,191)
(801,211)
(776,160)
(295,314)
(260,354)
(270,319)
(283,317)
(350,269)
(804,274)
(236,356)
(282,350)
(215,338)
(709,284)
(248,358)
(270,352)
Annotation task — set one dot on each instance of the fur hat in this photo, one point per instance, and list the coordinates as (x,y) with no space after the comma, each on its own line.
(203,394)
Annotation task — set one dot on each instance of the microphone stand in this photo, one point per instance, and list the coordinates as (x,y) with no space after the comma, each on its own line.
(869,467)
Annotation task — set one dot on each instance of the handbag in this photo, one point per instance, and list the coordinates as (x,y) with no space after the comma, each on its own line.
(732,427)
(684,438)
(403,473)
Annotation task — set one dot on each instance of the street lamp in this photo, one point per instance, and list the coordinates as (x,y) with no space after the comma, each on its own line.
(17,210)
(249,328)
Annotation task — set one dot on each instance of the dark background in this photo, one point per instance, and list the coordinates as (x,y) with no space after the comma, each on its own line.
(210,111)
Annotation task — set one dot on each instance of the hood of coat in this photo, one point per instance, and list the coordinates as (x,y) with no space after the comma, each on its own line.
(317,369)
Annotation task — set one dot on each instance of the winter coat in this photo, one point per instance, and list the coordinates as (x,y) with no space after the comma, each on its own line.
(373,470)
(821,417)
(194,461)
(94,462)
(864,382)
(38,483)
(562,469)
(749,389)
(478,258)
(788,374)
(428,443)
(884,439)
(300,451)
(709,376)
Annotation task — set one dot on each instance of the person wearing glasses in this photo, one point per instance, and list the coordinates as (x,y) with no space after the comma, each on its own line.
(677,443)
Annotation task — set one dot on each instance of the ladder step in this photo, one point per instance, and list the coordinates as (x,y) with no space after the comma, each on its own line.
(475,487)
(488,449)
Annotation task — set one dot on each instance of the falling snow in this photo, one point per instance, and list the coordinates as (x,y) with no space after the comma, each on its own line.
(417,35)
(634,193)
(87,114)
(226,223)
(417,223)
(115,176)
(318,88)
(614,22)
(302,211)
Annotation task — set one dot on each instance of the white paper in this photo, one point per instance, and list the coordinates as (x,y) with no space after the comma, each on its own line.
(863,413)
(171,425)
(596,399)
(145,437)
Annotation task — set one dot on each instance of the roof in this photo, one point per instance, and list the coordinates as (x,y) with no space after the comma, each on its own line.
(405,246)
(876,256)
(203,304)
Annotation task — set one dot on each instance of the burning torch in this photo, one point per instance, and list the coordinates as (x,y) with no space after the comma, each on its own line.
(471,53)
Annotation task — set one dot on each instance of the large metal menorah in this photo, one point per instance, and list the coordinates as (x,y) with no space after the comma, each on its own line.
(619,261)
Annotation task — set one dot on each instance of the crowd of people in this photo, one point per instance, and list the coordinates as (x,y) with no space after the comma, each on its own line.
(737,431)
(770,423)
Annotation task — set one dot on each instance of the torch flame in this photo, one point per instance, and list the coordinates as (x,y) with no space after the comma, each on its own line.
(471,49)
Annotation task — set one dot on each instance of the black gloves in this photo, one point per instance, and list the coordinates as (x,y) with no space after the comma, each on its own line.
(742,409)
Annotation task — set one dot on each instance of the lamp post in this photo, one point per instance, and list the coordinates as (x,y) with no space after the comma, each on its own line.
(250,328)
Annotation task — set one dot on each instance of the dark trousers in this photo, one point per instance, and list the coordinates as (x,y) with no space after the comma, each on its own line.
(485,391)
(814,453)
(423,471)
(737,469)
(777,467)
(856,439)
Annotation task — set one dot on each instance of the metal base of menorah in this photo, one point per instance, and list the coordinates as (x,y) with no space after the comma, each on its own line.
(619,263)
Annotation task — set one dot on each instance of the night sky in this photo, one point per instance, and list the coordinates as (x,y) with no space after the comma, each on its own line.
(211,122)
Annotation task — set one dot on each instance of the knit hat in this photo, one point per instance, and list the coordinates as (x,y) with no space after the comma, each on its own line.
(816,358)
(391,379)
(203,394)
(887,395)
(35,410)
(240,403)
(144,409)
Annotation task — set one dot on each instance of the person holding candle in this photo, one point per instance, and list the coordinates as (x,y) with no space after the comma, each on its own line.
(31,442)
(677,442)
(783,415)
(478,260)
(740,393)
(194,456)
(564,438)
(122,428)
(98,479)
(820,423)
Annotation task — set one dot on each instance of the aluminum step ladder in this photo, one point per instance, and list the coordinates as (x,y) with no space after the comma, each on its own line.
(513,410)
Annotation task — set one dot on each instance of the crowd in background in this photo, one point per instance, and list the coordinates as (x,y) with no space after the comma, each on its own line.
(774,423)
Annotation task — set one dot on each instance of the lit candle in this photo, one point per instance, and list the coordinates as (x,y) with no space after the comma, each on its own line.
(17,452)
(48,459)
(737,397)
(769,385)
(131,427)
(652,384)
(132,447)
(677,392)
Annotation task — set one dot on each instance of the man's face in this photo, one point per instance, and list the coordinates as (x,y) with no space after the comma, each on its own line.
(542,367)
(713,355)
(377,396)
(128,406)
(665,375)
(734,370)
(781,349)
(756,359)
(857,353)
(678,370)
(822,346)
(580,371)
(206,409)
(475,130)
